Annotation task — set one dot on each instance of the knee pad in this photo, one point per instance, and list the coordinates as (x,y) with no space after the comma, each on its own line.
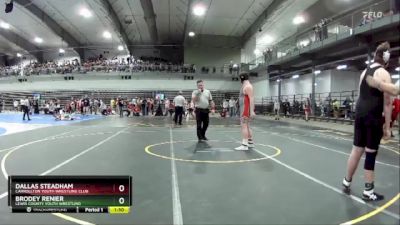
(370,158)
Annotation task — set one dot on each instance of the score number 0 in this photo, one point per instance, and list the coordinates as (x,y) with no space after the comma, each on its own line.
(121,200)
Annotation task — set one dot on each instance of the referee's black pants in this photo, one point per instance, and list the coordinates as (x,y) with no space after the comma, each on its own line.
(202,119)
(25,109)
(178,115)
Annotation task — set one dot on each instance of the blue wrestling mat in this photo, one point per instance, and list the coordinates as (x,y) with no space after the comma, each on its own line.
(43,119)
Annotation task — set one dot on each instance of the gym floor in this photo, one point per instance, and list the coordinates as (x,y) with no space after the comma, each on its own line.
(293,176)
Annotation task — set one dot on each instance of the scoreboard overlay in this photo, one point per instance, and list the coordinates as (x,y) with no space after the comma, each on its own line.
(70,194)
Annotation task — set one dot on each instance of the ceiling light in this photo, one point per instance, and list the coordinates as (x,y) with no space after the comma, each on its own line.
(295,76)
(257,52)
(19,55)
(191,34)
(199,10)
(38,40)
(61,50)
(278,80)
(317,72)
(304,43)
(120,48)
(341,67)
(106,34)
(266,39)
(396,76)
(86,13)
(315,84)
(5,25)
(369,62)
(298,20)
(397,69)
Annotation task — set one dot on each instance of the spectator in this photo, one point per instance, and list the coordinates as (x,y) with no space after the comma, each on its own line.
(277,108)
(328,104)
(232,104)
(225,107)
(144,107)
(322,108)
(307,108)
(16,104)
(96,105)
(36,106)
(395,113)
(120,106)
(366,19)
(317,32)
(171,108)
(166,103)
(285,106)
(112,104)
(152,106)
(347,105)
(190,110)
(324,28)
(103,108)
(336,108)
(179,102)
(237,108)
(86,105)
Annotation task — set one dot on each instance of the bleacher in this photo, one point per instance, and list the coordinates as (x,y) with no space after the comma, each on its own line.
(121,68)
(345,27)
(265,106)
(107,95)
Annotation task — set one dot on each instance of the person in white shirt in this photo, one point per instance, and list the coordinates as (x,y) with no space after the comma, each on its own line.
(103,108)
(277,107)
(25,107)
(225,105)
(202,99)
(232,104)
(16,103)
(52,107)
(320,104)
(96,104)
(179,102)
(166,103)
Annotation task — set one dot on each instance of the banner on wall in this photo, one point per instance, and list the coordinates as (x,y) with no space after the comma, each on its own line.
(160,96)
(36,96)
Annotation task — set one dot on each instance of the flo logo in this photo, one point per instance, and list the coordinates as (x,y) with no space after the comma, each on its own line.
(373,14)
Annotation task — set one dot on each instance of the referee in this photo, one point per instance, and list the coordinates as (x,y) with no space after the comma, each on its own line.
(202,99)
(25,105)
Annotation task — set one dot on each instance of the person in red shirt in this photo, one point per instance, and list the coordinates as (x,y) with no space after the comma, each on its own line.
(395,112)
